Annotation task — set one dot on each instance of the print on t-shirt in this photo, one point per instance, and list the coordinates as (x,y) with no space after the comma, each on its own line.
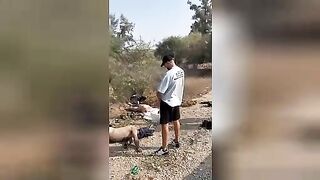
(179,74)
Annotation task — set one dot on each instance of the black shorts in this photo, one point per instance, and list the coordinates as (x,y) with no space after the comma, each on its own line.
(168,113)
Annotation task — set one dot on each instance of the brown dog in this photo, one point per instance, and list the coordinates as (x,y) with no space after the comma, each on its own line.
(124,135)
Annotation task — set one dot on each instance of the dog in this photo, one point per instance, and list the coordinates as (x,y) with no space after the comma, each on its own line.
(124,135)
(129,134)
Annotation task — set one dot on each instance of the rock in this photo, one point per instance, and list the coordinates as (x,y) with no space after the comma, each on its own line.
(123,116)
(188,103)
(158,168)
(150,178)
(189,151)
(191,141)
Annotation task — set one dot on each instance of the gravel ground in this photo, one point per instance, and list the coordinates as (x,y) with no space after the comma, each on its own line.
(193,160)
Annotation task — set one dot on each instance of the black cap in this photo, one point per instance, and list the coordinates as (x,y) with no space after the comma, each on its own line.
(166,58)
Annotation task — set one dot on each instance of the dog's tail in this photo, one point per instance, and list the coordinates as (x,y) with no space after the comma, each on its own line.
(145,132)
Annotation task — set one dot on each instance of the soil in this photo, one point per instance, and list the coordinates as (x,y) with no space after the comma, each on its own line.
(193,160)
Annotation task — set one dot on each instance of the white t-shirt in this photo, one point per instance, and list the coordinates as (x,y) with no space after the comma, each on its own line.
(171,86)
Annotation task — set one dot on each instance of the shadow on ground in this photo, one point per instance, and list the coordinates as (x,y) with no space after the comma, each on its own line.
(186,124)
(115,151)
(191,123)
(203,171)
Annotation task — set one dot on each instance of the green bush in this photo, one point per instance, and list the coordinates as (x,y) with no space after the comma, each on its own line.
(133,71)
(194,48)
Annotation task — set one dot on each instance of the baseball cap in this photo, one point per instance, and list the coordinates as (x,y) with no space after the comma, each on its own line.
(166,58)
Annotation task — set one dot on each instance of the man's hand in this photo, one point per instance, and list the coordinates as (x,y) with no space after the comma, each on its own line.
(159,95)
(158,104)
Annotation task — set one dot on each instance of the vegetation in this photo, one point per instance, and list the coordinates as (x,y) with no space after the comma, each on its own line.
(134,65)
(196,47)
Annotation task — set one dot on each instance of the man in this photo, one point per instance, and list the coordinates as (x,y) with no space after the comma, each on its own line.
(170,94)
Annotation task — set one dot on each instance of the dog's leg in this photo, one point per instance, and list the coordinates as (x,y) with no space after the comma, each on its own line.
(130,141)
(136,140)
(125,145)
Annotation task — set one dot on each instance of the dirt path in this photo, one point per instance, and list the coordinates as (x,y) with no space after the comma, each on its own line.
(193,160)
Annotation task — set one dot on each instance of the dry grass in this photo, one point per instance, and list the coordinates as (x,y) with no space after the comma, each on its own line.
(197,86)
(194,87)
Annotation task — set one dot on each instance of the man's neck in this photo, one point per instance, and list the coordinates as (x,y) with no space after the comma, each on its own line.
(173,65)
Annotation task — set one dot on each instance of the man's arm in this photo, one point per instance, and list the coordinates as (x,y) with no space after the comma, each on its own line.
(159,98)
(162,88)
(159,95)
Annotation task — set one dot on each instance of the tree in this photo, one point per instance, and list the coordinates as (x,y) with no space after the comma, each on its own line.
(202,17)
(131,62)
(125,30)
(194,47)
(203,24)
(172,44)
(121,32)
(113,24)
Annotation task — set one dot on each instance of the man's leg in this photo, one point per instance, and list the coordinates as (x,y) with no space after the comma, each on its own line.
(165,135)
(176,127)
(176,123)
(164,117)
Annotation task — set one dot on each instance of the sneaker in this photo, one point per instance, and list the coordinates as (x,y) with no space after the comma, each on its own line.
(161,152)
(175,144)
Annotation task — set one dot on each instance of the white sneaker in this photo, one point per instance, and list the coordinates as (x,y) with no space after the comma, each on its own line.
(161,152)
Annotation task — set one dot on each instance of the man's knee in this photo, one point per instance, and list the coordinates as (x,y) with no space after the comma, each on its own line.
(176,122)
(166,125)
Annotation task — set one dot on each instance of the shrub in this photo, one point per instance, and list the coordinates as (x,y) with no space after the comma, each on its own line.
(133,71)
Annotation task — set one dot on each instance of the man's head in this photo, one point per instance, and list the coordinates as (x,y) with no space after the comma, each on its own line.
(168,61)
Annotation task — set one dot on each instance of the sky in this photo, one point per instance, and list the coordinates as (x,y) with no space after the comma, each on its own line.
(155,19)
